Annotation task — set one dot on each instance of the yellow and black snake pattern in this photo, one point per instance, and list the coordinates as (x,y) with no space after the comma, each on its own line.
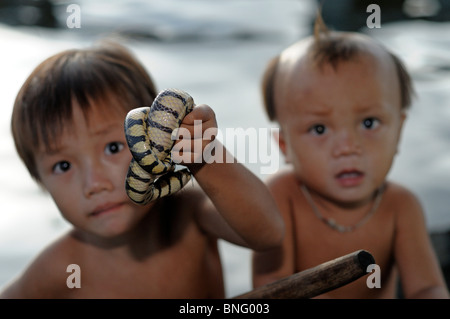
(148,130)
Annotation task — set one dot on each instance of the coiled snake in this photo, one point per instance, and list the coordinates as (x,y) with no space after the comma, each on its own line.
(148,132)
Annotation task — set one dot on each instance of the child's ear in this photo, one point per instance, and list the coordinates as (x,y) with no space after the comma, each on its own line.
(400,129)
(279,138)
(403,117)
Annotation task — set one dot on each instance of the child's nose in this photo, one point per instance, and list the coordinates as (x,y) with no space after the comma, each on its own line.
(346,143)
(96,179)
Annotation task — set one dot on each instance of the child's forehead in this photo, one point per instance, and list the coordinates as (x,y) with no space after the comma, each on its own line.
(307,71)
(100,116)
(361,82)
(104,110)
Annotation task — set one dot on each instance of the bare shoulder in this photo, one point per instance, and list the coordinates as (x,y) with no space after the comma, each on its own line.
(284,187)
(191,195)
(400,191)
(190,201)
(406,205)
(282,181)
(194,200)
(402,198)
(46,275)
(185,207)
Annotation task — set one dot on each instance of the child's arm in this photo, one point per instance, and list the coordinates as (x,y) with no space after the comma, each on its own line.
(45,277)
(241,208)
(27,286)
(420,273)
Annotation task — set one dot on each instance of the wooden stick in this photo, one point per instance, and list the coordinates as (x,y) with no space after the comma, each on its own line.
(317,280)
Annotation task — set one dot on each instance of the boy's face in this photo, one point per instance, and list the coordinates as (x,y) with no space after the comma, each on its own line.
(340,128)
(86,173)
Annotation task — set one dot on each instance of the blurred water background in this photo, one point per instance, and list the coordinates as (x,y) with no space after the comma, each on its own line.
(216,51)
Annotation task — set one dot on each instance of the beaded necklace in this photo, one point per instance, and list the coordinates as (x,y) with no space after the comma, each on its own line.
(332,223)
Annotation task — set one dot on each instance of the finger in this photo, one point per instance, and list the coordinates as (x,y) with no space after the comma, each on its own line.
(198,124)
(189,145)
(186,158)
(194,133)
(191,151)
(201,112)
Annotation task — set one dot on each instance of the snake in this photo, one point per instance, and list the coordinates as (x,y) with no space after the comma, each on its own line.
(149,134)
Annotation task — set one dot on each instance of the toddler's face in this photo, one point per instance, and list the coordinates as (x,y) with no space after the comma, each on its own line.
(86,174)
(340,128)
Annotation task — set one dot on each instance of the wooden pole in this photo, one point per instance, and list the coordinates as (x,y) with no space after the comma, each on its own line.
(317,280)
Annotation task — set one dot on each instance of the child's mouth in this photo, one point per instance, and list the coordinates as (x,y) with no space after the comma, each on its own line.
(348,178)
(104,209)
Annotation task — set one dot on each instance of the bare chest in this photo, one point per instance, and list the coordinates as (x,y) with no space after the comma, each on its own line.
(185,269)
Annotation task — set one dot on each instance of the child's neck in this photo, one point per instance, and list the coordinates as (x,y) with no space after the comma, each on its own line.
(139,242)
(343,217)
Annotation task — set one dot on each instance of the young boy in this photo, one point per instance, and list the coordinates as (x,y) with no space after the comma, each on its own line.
(340,100)
(67,125)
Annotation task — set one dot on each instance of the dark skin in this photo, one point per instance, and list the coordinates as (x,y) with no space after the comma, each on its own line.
(182,263)
(340,127)
(166,249)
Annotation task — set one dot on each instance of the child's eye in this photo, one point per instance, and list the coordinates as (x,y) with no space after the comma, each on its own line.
(61,167)
(370,123)
(318,129)
(113,148)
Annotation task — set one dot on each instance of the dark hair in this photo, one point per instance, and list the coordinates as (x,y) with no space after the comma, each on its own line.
(332,47)
(44,104)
